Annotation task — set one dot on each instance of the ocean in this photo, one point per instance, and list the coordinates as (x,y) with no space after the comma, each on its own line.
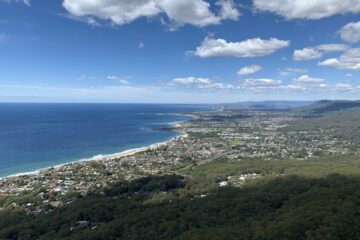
(35,136)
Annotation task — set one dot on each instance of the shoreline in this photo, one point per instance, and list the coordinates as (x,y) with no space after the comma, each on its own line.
(107,157)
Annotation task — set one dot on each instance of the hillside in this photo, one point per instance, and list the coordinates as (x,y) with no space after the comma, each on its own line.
(285,208)
(327,106)
(267,105)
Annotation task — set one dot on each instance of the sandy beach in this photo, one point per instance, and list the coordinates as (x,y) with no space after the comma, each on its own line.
(109,157)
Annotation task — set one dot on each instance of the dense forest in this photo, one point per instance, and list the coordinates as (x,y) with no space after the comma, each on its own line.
(284,208)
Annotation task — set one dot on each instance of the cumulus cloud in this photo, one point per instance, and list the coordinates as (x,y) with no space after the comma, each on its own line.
(202,83)
(307,54)
(308,9)
(349,60)
(296,70)
(332,47)
(304,84)
(261,82)
(311,53)
(120,12)
(350,32)
(196,12)
(248,70)
(320,88)
(179,12)
(191,81)
(254,47)
(293,70)
(228,9)
(345,87)
(307,80)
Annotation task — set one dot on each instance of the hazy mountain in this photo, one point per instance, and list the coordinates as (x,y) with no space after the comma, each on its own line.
(268,105)
(326,106)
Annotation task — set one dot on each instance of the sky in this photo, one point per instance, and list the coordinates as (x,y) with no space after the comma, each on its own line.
(179,51)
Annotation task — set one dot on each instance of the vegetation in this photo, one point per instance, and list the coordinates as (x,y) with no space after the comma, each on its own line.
(204,135)
(327,106)
(283,208)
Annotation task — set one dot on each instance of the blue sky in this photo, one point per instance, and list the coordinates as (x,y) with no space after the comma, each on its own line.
(179,51)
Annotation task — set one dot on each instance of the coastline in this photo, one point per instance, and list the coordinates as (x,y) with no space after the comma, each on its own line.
(108,157)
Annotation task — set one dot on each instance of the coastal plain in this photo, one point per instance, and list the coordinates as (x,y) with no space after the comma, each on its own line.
(222,151)
(232,145)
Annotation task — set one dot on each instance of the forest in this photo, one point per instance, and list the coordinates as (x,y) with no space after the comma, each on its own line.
(290,207)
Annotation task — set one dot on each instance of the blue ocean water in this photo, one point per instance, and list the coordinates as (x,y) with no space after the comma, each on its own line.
(34,136)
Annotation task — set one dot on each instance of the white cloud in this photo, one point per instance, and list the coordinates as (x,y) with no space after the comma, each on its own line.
(120,12)
(248,70)
(262,82)
(350,32)
(27,2)
(91,21)
(179,12)
(196,12)
(202,83)
(255,47)
(317,52)
(191,81)
(345,87)
(142,94)
(307,9)
(290,70)
(228,9)
(307,54)
(291,88)
(141,45)
(296,70)
(123,80)
(307,80)
(326,48)
(304,84)
(349,60)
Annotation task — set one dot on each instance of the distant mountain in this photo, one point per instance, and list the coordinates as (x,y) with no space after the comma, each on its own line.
(326,106)
(267,105)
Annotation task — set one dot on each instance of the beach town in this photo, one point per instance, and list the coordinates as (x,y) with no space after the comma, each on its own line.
(233,135)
